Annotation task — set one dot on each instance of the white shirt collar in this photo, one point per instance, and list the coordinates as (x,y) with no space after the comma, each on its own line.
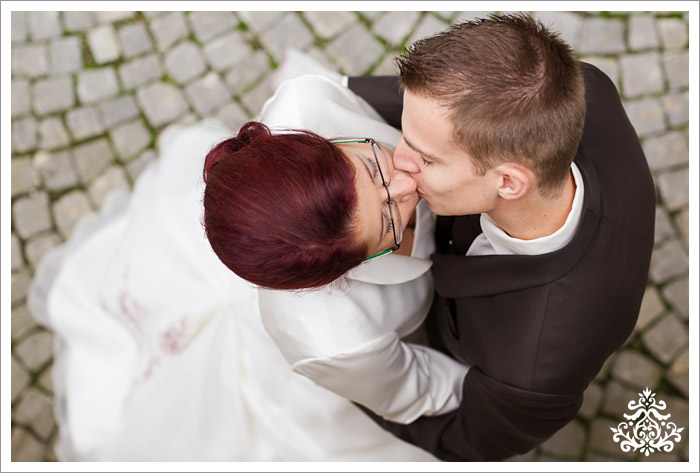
(494,241)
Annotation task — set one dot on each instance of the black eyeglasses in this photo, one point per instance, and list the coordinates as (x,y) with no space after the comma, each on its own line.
(382,163)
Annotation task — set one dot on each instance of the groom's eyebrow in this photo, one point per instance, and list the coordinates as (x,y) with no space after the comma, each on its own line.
(420,151)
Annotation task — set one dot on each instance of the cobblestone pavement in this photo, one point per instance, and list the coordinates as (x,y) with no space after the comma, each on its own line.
(91,90)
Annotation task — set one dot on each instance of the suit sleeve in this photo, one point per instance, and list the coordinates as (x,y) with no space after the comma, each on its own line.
(495,421)
(383,93)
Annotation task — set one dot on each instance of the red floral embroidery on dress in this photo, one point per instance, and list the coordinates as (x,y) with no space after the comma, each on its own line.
(174,339)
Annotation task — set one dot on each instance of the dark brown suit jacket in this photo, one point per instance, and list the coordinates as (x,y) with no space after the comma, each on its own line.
(537,329)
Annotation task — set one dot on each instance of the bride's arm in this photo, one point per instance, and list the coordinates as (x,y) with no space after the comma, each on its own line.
(397,380)
(337,340)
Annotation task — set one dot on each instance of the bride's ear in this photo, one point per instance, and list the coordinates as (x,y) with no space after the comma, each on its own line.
(515,180)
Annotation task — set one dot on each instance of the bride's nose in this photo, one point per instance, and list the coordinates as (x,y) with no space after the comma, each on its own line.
(401,187)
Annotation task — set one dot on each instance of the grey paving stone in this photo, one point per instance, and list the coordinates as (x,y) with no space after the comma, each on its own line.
(239,78)
(43,24)
(682,222)
(21,101)
(646,115)
(153,14)
(641,74)
(387,67)
(65,55)
(259,21)
(255,99)
(601,441)
(56,169)
(676,294)
(208,24)
(112,16)
(168,29)
(233,116)
(113,178)
(19,285)
(140,71)
(20,379)
(667,261)
(605,369)
(677,374)
(95,85)
(91,158)
(674,32)
(84,123)
(355,50)
(609,66)
(678,408)
(228,51)
(641,32)
(68,210)
(652,308)
(676,67)
(134,39)
(130,138)
(16,259)
(38,246)
(29,60)
(135,167)
(395,26)
(24,134)
(602,36)
(427,26)
(636,370)
(184,62)
(118,110)
(207,94)
(525,457)
(471,15)
(23,176)
(18,26)
(676,107)
(568,24)
(103,44)
(78,20)
(34,410)
(665,151)
(36,350)
(289,32)
(664,227)
(673,188)
(25,447)
(45,380)
(22,322)
(30,214)
(592,398)
(567,442)
(666,338)
(161,103)
(52,133)
(659,457)
(329,24)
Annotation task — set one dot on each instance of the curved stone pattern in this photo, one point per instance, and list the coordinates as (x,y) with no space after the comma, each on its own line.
(91,90)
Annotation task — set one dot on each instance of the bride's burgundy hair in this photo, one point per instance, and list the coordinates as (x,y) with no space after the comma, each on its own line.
(279,208)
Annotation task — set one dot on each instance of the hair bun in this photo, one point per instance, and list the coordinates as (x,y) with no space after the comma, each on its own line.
(247,134)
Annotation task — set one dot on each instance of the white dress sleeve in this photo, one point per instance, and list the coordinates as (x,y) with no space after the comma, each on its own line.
(348,341)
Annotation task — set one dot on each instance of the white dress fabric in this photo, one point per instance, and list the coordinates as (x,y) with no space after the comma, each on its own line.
(163,354)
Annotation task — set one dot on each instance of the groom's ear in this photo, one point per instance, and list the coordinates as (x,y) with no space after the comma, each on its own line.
(515,180)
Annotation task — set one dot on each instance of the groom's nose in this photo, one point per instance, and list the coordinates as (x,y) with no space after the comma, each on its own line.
(405,159)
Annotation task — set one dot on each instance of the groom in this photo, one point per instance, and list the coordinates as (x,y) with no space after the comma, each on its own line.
(545,232)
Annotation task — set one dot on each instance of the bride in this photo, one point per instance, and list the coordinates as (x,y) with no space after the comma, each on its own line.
(163,353)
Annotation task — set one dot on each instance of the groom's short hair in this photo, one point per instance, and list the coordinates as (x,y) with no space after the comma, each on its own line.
(513,88)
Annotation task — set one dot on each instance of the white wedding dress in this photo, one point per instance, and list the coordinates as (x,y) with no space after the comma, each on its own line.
(163,354)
